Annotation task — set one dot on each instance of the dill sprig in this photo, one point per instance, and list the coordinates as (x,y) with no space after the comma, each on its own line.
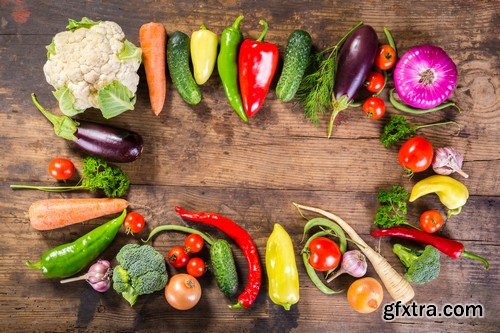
(316,89)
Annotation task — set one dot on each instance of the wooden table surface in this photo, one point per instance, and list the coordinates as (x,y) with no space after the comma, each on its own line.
(204,158)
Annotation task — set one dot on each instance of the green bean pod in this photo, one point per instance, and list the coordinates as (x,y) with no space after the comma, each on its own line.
(310,270)
(408,109)
(322,222)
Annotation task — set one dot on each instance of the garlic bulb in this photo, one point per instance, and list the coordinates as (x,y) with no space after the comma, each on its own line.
(448,160)
(353,263)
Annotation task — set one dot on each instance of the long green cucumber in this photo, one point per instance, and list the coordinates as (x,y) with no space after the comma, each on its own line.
(178,66)
(224,267)
(297,54)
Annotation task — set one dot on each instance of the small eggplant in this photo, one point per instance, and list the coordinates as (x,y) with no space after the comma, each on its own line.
(110,143)
(355,60)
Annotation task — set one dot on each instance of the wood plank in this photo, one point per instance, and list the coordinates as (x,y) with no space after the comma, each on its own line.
(257,210)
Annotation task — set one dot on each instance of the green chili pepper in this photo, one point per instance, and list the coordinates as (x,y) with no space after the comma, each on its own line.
(310,270)
(408,109)
(322,222)
(227,65)
(70,258)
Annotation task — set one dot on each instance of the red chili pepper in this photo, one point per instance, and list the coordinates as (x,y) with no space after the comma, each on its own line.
(257,64)
(451,248)
(244,241)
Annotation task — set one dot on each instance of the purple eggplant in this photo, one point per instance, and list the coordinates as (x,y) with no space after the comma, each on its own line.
(354,62)
(109,143)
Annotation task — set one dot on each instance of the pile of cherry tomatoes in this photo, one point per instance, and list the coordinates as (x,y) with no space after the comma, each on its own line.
(374,107)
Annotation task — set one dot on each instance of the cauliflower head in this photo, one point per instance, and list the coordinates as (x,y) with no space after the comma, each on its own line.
(93,65)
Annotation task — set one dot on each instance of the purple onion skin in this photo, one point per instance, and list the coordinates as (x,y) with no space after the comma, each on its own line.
(355,61)
(425,76)
(112,144)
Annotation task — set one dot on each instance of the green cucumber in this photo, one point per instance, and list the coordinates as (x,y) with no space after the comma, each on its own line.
(297,57)
(178,66)
(224,267)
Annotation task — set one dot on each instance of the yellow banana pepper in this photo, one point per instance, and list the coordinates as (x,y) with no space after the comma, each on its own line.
(281,268)
(452,193)
(203,53)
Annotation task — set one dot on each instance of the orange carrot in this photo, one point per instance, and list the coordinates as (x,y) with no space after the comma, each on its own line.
(153,38)
(57,213)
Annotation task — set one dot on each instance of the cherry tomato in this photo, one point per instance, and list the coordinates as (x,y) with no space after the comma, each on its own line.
(61,168)
(374,82)
(134,223)
(385,58)
(183,291)
(374,107)
(431,221)
(416,154)
(177,257)
(196,267)
(324,254)
(365,295)
(194,243)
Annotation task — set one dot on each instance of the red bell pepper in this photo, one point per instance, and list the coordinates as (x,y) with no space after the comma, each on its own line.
(257,64)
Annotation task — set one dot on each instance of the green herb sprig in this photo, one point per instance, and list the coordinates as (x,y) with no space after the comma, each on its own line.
(393,207)
(316,89)
(97,176)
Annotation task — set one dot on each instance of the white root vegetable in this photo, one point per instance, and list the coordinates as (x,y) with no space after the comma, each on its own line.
(396,285)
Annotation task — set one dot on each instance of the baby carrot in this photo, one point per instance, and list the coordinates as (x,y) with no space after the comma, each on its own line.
(51,214)
(153,38)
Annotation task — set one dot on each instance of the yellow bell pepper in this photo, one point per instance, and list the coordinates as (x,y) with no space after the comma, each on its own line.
(452,193)
(203,53)
(281,268)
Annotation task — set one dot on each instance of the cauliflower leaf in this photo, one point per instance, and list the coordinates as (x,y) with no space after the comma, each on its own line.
(115,99)
(130,51)
(51,49)
(83,23)
(66,101)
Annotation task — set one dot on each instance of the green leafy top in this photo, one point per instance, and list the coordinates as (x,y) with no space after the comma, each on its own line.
(397,129)
(98,175)
(66,101)
(83,23)
(51,48)
(393,209)
(130,51)
(114,99)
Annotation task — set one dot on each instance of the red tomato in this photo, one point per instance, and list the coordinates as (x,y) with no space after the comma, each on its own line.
(374,107)
(177,257)
(134,223)
(193,244)
(385,58)
(61,168)
(324,254)
(196,267)
(374,82)
(431,221)
(416,154)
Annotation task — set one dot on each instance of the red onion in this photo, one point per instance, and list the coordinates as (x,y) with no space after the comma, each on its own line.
(425,76)
(448,160)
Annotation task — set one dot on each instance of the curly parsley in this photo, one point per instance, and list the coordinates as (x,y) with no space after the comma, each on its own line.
(393,209)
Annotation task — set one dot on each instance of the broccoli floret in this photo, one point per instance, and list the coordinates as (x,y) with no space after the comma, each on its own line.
(141,271)
(422,265)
